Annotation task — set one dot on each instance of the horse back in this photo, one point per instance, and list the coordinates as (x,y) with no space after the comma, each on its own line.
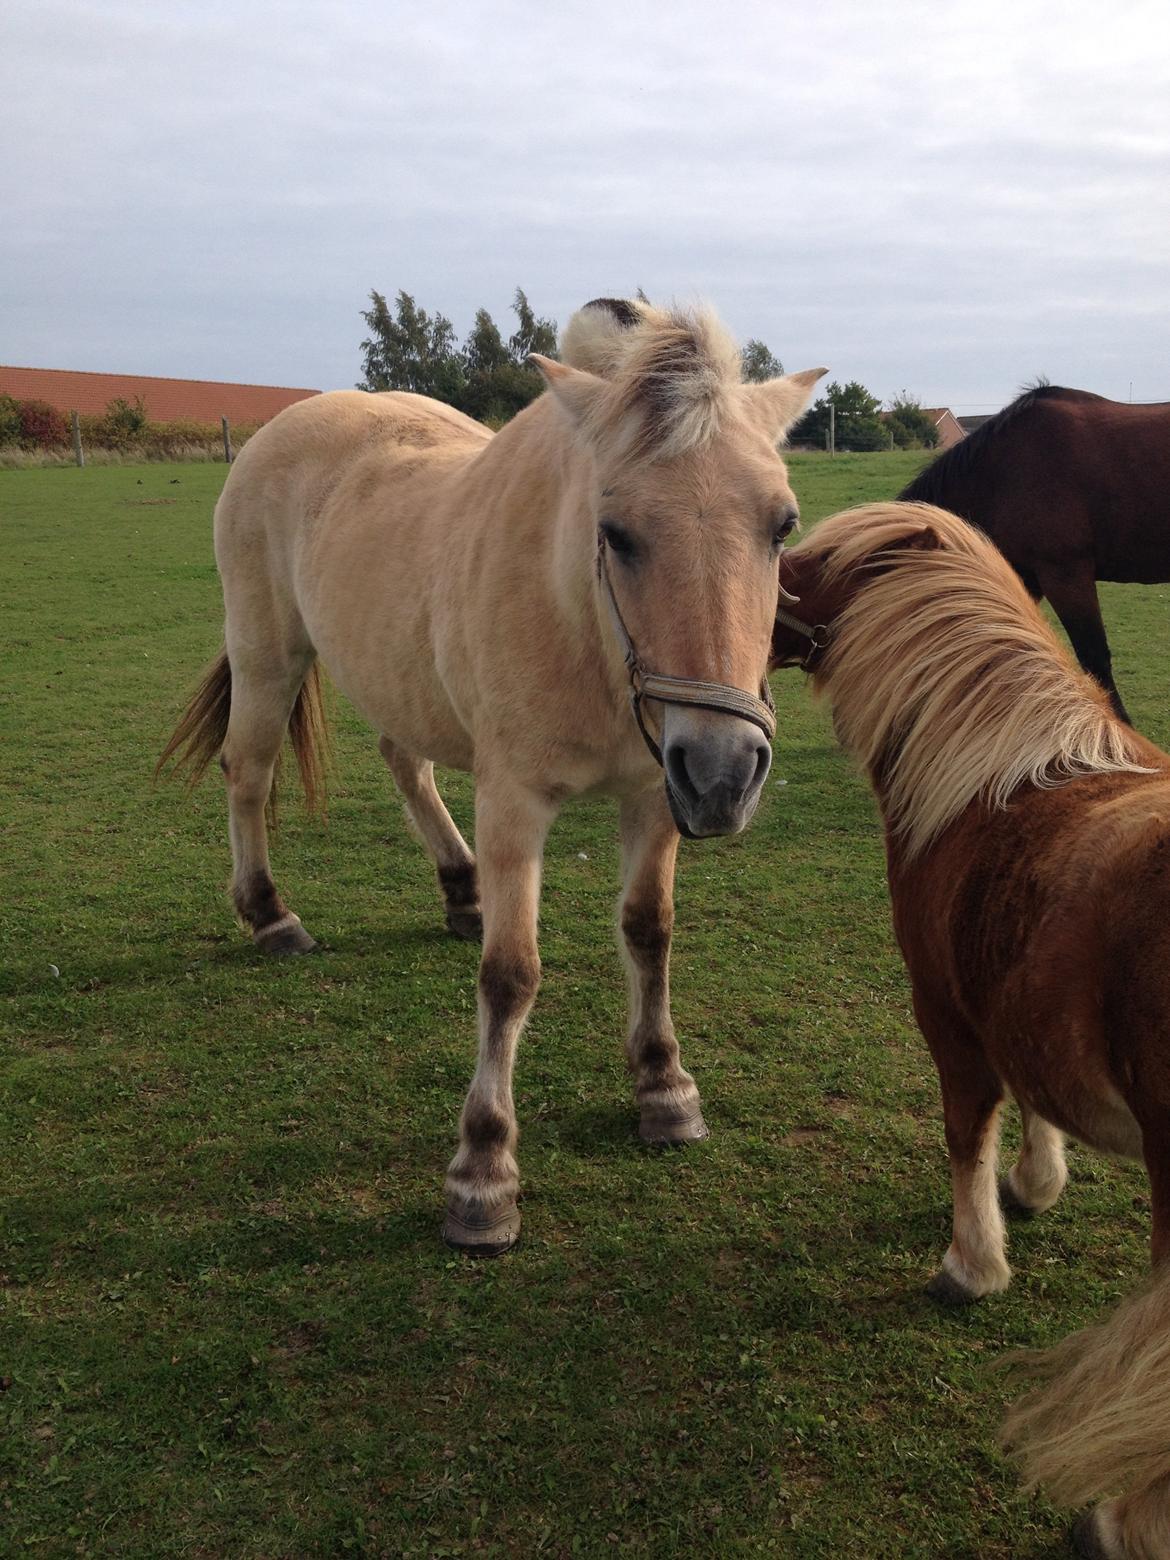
(1064,475)
(296,461)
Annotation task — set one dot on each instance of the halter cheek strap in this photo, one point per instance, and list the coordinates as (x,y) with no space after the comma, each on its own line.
(645,684)
(817,634)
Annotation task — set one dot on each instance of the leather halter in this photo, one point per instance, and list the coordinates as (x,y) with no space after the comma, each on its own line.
(645,684)
(817,634)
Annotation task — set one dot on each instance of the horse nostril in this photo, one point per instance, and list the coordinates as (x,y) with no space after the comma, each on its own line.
(675,759)
(763,764)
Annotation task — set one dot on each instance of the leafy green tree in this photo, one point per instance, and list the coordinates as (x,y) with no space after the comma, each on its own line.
(490,369)
(759,363)
(532,334)
(486,377)
(911,427)
(408,349)
(858,424)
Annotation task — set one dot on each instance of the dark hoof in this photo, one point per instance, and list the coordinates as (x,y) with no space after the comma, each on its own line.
(467,924)
(284,937)
(1089,1542)
(948,1291)
(483,1234)
(663,1131)
(1011,1204)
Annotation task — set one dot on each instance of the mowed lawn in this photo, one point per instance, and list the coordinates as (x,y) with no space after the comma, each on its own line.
(227,1324)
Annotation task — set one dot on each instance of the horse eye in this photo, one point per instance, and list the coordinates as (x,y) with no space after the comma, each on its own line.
(785,527)
(619,542)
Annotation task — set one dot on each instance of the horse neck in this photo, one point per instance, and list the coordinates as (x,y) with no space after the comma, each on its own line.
(561,523)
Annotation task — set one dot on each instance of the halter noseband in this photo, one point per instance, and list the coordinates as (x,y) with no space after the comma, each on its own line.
(645,684)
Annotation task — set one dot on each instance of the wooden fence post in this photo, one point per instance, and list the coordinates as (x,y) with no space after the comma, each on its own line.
(78,452)
(227,440)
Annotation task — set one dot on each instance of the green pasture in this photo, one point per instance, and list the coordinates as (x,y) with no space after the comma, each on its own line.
(227,1324)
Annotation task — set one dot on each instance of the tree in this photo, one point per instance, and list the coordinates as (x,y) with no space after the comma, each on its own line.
(532,334)
(758,362)
(911,427)
(486,361)
(486,377)
(410,350)
(858,425)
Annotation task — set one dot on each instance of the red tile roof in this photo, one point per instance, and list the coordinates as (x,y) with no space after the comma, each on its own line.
(166,400)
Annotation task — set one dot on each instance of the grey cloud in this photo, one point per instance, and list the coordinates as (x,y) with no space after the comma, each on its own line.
(938,199)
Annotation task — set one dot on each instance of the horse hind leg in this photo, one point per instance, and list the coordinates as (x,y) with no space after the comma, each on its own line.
(448,849)
(265,693)
(975,1263)
(1133,1527)
(1038,1176)
(1072,593)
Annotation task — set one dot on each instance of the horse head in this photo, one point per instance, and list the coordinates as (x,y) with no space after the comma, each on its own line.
(690,505)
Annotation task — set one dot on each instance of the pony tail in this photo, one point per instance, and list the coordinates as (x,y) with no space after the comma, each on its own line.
(308,731)
(202,727)
(202,730)
(1096,1422)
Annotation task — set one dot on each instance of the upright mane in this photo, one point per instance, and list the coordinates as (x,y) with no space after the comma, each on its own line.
(673,372)
(946,682)
(933,484)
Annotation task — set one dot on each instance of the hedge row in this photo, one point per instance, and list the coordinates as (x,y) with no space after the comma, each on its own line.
(35,425)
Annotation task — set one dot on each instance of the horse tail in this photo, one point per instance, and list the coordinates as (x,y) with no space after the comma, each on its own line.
(202,728)
(308,730)
(1098,1418)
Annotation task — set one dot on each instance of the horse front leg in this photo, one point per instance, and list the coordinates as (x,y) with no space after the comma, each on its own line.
(671,1111)
(483,1178)
(1038,1176)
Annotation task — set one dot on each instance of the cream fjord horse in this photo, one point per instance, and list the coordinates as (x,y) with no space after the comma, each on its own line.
(479,598)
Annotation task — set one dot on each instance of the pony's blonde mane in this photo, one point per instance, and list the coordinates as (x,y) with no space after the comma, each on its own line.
(946,681)
(672,373)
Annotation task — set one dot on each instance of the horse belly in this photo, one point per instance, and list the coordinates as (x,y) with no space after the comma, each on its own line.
(1090,1110)
(365,590)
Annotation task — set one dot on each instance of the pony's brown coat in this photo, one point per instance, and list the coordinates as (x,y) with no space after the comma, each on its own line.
(1028,852)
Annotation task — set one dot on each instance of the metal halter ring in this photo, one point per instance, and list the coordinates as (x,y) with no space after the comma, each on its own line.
(817,634)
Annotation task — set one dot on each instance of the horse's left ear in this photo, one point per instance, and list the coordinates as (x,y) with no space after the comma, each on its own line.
(578,392)
(777,403)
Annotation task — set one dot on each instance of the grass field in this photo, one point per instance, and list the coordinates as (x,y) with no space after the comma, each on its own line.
(227,1325)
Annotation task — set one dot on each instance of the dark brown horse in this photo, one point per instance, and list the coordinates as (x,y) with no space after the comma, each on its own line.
(1028,852)
(1072,489)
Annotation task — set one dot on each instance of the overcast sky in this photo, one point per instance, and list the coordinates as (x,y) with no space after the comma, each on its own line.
(948,198)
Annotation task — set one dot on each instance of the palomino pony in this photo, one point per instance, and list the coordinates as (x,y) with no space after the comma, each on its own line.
(1072,489)
(479,599)
(1028,850)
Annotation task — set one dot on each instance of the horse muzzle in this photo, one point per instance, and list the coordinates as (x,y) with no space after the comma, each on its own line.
(715,765)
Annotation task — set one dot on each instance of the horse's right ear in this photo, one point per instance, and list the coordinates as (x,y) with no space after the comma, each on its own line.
(578,392)
(925,539)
